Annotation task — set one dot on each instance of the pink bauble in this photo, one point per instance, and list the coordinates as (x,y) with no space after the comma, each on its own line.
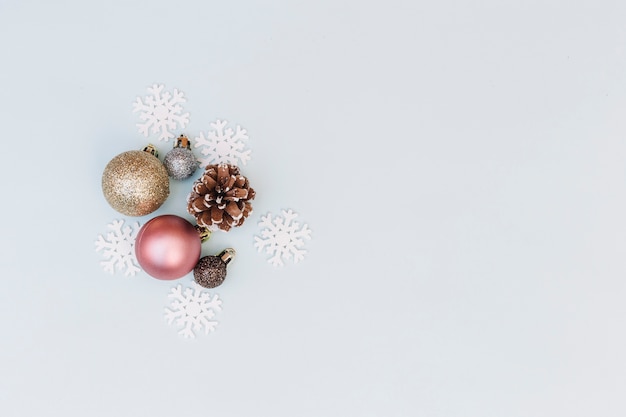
(167,247)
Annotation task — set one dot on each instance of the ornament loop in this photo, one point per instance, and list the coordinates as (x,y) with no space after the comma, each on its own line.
(182,142)
(151,149)
(203,232)
(227,255)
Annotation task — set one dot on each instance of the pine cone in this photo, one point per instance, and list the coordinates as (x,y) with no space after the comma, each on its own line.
(220,198)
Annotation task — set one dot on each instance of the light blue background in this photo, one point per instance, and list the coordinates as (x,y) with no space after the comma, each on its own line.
(461,165)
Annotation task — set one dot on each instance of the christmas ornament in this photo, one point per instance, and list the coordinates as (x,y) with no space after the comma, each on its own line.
(210,271)
(167,247)
(135,183)
(220,199)
(180,162)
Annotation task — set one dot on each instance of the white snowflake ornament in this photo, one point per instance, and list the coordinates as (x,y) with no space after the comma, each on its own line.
(192,309)
(118,248)
(161,112)
(223,145)
(282,237)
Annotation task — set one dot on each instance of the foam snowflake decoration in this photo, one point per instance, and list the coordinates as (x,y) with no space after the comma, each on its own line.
(118,248)
(282,237)
(223,145)
(192,309)
(161,112)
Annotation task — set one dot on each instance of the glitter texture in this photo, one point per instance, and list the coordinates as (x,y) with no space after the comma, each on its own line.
(135,183)
(180,163)
(210,271)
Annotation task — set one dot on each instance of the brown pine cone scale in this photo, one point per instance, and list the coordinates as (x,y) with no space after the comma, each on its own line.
(220,198)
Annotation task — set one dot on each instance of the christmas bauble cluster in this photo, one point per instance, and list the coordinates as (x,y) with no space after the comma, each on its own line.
(167,247)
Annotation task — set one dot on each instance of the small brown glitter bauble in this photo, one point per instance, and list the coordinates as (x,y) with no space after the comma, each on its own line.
(210,271)
(135,183)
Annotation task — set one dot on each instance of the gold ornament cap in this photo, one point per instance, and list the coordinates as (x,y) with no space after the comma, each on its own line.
(182,142)
(151,149)
(203,232)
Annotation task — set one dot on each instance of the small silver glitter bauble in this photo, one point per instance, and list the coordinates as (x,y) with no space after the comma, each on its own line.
(135,183)
(180,162)
(210,271)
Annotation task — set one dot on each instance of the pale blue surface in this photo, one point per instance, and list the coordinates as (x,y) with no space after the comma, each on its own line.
(461,164)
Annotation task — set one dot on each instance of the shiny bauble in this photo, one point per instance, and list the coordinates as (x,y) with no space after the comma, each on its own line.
(135,183)
(167,247)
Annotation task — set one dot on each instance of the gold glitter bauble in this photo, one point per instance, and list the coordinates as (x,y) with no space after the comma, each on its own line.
(135,183)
